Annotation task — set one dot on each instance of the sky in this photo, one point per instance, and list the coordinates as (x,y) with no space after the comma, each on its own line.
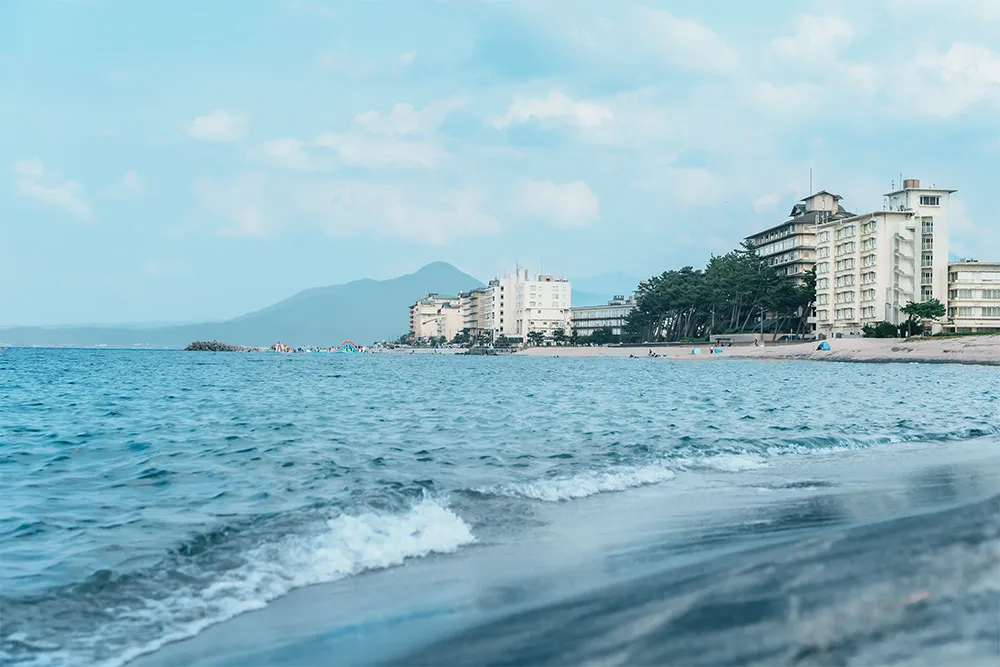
(172,162)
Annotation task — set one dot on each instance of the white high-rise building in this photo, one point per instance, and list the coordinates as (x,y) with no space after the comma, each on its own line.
(516,305)
(869,266)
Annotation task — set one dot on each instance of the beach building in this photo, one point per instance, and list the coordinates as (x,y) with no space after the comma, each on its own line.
(973,297)
(790,247)
(473,305)
(518,305)
(869,266)
(435,316)
(586,320)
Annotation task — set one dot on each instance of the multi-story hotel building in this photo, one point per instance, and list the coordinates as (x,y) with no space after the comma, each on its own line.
(435,316)
(869,266)
(973,297)
(588,319)
(791,246)
(474,305)
(517,305)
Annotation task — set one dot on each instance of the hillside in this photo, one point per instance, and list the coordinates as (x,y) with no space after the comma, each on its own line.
(362,310)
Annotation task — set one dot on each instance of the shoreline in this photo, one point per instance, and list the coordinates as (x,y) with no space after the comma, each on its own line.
(968,350)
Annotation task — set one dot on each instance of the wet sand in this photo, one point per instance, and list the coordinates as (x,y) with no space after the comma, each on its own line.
(961,350)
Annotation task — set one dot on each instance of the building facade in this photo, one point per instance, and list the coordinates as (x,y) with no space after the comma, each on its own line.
(791,246)
(973,297)
(474,305)
(586,320)
(869,266)
(435,316)
(517,305)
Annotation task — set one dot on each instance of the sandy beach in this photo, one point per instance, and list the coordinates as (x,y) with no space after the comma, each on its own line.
(962,350)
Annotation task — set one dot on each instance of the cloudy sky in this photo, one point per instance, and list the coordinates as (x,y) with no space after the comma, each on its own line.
(167,161)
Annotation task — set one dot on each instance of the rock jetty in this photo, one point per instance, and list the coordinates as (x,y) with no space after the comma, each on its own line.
(214,346)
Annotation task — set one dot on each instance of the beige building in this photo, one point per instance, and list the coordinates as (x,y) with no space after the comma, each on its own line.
(435,316)
(973,297)
(791,246)
(588,319)
(869,266)
(474,305)
(517,305)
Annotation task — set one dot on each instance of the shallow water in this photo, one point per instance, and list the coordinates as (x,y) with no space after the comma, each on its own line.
(148,496)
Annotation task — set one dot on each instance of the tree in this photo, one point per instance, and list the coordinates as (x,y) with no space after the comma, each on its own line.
(730,295)
(919,311)
(602,336)
(574,337)
(559,336)
(881,330)
(536,337)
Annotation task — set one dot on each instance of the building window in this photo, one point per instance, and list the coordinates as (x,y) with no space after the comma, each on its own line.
(822,283)
(927,225)
(928,200)
(926,277)
(926,294)
(966,311)
(990,294)
(927,243)
(991,311)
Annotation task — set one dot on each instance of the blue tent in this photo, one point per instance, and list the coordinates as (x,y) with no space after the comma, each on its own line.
(825,346)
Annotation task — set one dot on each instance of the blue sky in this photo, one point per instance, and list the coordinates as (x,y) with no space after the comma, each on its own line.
(164,161)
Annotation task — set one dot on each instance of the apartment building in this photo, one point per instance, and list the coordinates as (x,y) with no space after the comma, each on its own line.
(973,297)
(518,305)
(474,305)
(588,319)
(435,316)
(869,266)
(790,247)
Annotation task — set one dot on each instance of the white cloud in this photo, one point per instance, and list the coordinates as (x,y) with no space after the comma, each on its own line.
(401,139)
(952,81)
(237,204)
(568,205)
(407,58)
(555,107)
(218,126)
(341,62)
(289,153)
(765,202)
(128,186)
(381,152)
(404,119)
(50,188)
(161,268)
(346,209)
(682,43)
(817,41)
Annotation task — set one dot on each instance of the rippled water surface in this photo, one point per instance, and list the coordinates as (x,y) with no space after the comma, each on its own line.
(147,495)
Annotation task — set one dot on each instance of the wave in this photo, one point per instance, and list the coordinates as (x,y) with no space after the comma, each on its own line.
(583,485)
(347,545)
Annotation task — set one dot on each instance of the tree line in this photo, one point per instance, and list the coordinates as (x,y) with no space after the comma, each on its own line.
(735,293)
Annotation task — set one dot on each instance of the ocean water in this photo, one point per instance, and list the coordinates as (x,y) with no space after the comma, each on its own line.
(195,508)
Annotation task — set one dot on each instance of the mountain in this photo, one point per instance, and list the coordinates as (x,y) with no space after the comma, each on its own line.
(616,282)
(581,298)
(363,310)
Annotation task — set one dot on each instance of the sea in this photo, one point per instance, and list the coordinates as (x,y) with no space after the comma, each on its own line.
(229,509)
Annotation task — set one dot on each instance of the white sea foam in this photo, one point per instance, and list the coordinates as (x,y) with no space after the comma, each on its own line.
(349,545)
(581,486)
(733,462)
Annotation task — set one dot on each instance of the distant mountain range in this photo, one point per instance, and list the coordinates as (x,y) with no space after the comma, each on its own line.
(362,310)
